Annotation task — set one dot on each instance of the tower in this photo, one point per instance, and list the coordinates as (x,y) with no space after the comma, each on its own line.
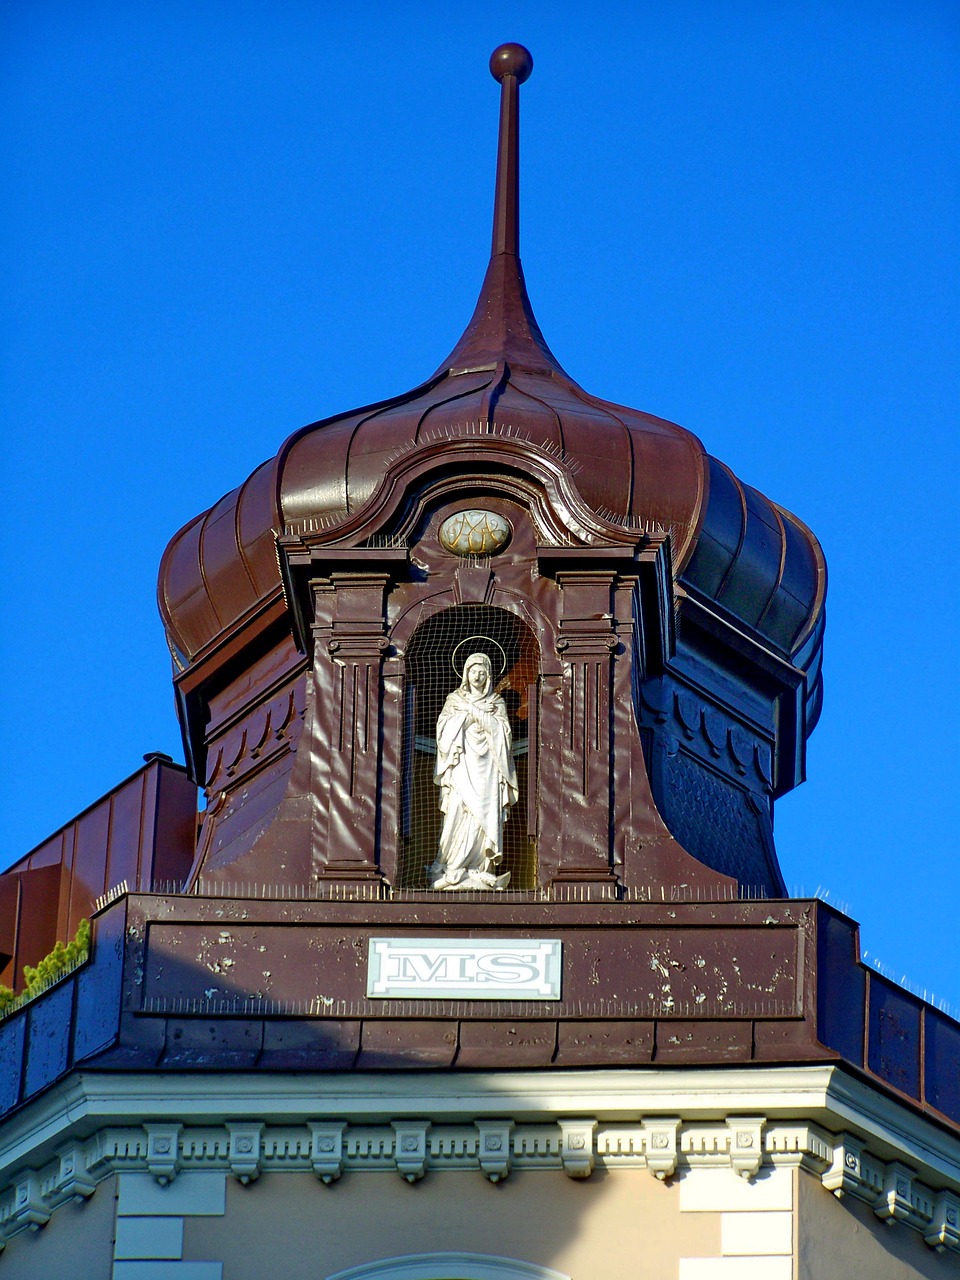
(319,981)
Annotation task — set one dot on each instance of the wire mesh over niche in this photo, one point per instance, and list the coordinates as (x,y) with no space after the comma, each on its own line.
(434,668)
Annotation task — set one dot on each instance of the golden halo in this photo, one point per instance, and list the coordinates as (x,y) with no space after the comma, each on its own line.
(487,642)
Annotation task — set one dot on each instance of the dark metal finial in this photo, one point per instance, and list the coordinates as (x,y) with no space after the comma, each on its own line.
(503,329)
(511,64)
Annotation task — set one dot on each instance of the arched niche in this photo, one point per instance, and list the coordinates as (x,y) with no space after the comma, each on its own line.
(433,663)
(449,1266)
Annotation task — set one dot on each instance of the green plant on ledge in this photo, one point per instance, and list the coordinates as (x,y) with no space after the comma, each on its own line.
(61,960)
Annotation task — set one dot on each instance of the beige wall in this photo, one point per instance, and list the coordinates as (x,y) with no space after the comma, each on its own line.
(76,1244)
(846,1238)
(618,1225)
(623,1224)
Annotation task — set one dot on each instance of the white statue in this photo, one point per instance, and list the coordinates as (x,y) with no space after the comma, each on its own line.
(477,781)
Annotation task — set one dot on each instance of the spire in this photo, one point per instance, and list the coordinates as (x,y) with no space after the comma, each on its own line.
(503,330)
(511,64)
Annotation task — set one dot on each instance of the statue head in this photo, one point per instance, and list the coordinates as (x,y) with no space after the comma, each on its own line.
(477,675)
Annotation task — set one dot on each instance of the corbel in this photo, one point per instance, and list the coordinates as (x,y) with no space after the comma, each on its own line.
(660,1145)
(245,1151)
(410,1148)
(163,1151)
(586,621)
(896,1201)
(358,622)
(72,1180)
(326,1149)
(746,1144)
(846,1173)
(577,1147)
(944,1229)
(30,1208)
(494,1148)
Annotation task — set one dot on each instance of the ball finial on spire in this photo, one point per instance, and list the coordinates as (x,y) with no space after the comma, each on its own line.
(511,60)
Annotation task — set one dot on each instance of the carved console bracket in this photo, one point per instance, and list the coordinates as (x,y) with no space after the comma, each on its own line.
(494,1152)
(577,1147)
(245,1151)
(746,1144)
(73,1178)
(29,1203)
(660,1139)
(163,1151)
(326,1149)
(410,1148)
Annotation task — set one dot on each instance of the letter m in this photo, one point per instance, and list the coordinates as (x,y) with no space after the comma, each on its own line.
(424,967)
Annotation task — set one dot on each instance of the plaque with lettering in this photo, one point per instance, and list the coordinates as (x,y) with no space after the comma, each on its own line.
(464,969)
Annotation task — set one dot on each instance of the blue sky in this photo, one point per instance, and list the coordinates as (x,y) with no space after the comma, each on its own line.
(221,221)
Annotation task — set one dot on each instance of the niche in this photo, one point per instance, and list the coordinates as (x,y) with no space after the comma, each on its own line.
(435,657)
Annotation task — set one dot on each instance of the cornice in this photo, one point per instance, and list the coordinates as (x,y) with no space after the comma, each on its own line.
(857,1141)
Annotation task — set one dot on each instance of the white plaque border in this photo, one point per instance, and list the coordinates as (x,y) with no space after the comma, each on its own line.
(381,986)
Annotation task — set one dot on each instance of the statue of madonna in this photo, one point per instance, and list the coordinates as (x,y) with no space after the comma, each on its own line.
(477,781)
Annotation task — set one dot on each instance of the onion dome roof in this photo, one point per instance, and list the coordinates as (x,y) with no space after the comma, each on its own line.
(732,547)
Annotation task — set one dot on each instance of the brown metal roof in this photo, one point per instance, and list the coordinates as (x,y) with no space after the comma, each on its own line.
(221,565)
(731,545)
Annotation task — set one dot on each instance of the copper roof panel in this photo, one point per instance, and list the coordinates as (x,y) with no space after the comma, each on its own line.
(788,612)
(182,592)
(229,585)
(722,532)
(258,520)
(754,574)
(314,475)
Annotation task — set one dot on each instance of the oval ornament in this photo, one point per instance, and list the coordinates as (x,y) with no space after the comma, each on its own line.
(475,533)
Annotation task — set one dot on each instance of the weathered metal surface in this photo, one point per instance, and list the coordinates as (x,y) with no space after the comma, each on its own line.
(894,1042)
(619,1042)
(48,1038)
(941,1066)
(304,1045)
(687,1041)
(405,1043)
(100,987)
(527,1042)
(913,1058)
(651,971)
(13,1032)
(228,1044)
(841,986)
